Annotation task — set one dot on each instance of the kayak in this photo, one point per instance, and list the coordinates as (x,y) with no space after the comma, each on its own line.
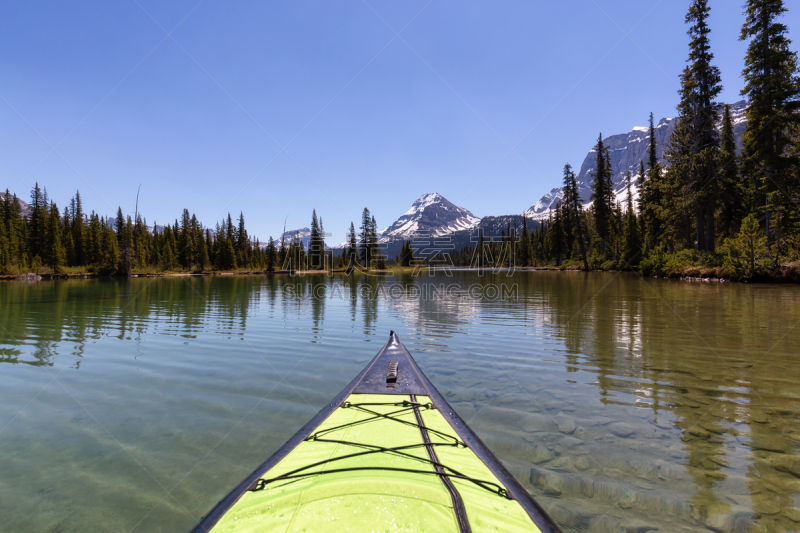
(387,454)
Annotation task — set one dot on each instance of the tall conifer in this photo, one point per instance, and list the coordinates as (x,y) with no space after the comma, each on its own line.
(700,85)
(573,201)
(603,194)
(731,198)
(773,88)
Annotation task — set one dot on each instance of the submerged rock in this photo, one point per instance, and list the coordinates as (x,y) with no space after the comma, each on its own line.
(785,463)
(582,462)
(548,482)
(792,514)
(540,454)
(621,429)
(566,424)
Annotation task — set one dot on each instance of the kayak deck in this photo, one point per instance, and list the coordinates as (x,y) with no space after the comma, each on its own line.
(388,454)
(369,488)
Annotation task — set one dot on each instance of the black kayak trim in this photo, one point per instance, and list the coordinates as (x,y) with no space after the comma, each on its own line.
(455,496)
(372,380)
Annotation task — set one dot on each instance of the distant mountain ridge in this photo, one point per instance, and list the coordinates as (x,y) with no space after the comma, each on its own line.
(627,150)
(302,234)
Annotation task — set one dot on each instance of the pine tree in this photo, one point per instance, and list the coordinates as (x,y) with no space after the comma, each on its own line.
(573,201)
(555,234)
(603,194)
(731,198)
(352,249)
(272,255)
(5,252)
(110,249)
(78,232)
(37,221)
(376,256)
(652,149)
(650,193)
(322,243)
(241,245)
(167,254)
(677,201)
(700,92)
(282,250)
(316,244)
(202,258)
(406,254)
(365,239)
(54,251)
(632,242)
(523,254)
(773,88)
(127,247)
(120,222)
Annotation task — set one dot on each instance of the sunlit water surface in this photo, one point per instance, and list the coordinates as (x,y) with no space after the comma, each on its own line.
(621,403)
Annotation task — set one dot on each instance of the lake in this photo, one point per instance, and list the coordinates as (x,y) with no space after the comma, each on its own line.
(621,403)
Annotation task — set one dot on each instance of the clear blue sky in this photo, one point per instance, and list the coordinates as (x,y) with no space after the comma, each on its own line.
(275,108)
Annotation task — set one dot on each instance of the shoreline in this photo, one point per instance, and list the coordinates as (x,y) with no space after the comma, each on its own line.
(785,274)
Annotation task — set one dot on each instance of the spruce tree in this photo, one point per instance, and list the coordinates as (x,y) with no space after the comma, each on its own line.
(603,194)
(632,242)
(376,254)
(573,201)
(272,255)
(167,254)
(555,235)
(731,198)
(406,254)
(202,257)
(322,243)
(5,255)
(79,232)
(652,149)
(282,250)
(120,222)
(242,240)
(365,238)
(773,89)
(111,250)
(316,245)
(37,222)
(54,251)
(352,248)
(700,85)
(650,193)
(523,254)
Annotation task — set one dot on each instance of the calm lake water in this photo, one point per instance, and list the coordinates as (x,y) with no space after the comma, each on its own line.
(621,403)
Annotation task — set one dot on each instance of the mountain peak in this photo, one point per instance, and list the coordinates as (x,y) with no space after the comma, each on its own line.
(431,213)
(427,199)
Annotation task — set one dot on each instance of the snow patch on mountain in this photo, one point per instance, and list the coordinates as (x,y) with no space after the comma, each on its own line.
(432,214)
(627,150)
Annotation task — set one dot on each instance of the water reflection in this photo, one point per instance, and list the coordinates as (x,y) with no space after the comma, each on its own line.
(615,400)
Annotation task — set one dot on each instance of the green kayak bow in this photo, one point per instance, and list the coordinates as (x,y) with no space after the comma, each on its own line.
(387,454)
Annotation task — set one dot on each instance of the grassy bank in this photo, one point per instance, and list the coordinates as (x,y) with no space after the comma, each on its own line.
(686,265)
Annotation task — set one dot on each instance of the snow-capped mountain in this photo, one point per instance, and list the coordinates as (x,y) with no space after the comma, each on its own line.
(627,150)
(430,214)
(302,234)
